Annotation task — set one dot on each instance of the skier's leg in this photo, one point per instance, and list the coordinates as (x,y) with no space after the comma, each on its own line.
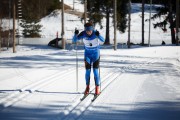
(88,72)
(96,72)
(96,76)
(87,76)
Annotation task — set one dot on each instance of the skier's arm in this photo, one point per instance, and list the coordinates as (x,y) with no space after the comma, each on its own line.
(74,38)
(77,37)
(99,36)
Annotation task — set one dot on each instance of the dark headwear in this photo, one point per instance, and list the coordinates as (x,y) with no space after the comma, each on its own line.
(88,26)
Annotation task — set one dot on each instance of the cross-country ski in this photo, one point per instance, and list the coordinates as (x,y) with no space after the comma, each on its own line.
(84,96)
(94,98)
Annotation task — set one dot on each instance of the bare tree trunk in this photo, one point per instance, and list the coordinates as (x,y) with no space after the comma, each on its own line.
(115,24)
(0,26)
(62,32)
(14,27)
(177,21)
(171,24)
(107,27)
(149,38)
(0,32)
(129,25)
(9,32)
(143,22)
(85,11)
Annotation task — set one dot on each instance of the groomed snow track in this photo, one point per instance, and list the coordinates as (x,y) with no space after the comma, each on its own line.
(76,110)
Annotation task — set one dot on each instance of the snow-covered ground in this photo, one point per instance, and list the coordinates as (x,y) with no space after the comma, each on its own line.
(142,83)
(78,6)
(39,83)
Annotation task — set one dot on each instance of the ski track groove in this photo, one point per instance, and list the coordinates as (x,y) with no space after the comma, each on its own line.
(130,67)
(20,74)
(17,73)
(75,106)
(77,109)
(26,90)
(23,92)
(177,67)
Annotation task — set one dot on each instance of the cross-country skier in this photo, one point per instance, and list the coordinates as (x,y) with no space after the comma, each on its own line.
(91,39)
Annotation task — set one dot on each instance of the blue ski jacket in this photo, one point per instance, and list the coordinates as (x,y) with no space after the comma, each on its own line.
(91,45)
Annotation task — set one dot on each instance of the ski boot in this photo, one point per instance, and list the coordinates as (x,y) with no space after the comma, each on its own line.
(86,92)
(97,93)
(97,90)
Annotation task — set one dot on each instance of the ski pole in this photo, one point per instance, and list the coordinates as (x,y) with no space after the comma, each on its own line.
(76,69)
(99,74)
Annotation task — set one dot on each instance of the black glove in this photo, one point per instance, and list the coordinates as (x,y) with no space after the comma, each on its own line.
(97,33)
(76,32)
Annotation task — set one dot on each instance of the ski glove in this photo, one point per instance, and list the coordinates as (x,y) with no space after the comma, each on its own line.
(97,33)
(76,32)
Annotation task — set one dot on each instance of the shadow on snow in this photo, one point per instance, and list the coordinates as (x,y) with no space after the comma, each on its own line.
(157,110)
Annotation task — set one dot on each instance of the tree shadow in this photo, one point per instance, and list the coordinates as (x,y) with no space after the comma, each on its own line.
(49,92)
(31,113)
(157,110)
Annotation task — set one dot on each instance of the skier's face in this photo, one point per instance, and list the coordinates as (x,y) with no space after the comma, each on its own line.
(89,32)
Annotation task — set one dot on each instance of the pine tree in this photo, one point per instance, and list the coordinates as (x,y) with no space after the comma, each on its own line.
(167,10)
(104,8)
(122,11)
(33,11)
(31,28)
